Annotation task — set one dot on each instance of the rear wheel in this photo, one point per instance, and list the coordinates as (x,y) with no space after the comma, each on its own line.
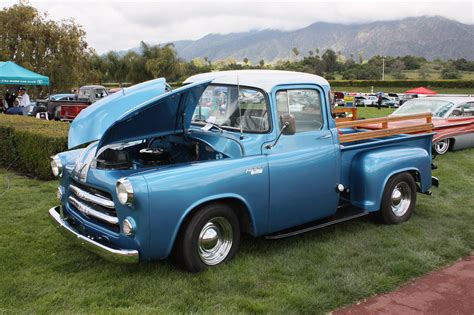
(210,238)
(57,113)
(442,146)
(399,199)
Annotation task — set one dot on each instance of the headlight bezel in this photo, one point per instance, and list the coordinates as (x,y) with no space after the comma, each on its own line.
(56,166)
(124,191)
(129,227)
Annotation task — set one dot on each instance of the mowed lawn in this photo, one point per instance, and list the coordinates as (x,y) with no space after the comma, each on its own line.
(313,273)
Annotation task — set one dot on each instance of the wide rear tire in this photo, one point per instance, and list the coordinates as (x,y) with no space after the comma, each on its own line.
(210,238)
(398,200)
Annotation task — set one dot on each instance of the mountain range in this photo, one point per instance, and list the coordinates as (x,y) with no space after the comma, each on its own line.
(428,36)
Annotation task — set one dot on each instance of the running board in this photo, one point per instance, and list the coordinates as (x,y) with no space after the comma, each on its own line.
(317,225)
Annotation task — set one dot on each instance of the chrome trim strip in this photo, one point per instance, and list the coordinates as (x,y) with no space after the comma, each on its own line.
(92,198)
(91,212)
(115,255)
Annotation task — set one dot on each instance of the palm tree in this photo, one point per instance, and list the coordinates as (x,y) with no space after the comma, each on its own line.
(296,52)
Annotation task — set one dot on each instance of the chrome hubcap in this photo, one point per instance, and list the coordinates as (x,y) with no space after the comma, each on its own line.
(215,241)
(401,199)
(442,146)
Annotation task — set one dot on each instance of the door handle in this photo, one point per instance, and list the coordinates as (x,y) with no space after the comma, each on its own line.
(324,137)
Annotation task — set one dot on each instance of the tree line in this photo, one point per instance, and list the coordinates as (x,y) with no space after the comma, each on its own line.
(60,51)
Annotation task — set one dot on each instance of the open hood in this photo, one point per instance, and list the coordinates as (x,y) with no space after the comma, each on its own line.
(93,121)
(163,115)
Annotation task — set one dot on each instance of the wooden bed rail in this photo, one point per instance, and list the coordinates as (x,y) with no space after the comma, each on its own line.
(385,130)
(343,110)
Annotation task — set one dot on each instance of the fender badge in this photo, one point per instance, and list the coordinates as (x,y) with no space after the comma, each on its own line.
(254,170)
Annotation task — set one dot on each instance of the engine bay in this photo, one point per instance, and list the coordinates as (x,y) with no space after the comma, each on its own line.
(165,150)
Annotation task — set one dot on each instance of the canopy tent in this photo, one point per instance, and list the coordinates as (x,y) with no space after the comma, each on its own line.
(421,90)
(11,73)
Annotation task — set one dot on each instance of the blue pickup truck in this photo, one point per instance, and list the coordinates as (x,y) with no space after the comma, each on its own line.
(153,173)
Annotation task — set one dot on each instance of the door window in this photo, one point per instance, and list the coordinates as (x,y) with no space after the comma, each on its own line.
(304,104)
(463,110)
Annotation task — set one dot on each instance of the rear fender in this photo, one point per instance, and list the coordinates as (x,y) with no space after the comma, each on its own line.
(371,170)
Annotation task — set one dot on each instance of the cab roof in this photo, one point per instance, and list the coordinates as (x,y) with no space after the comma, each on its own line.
(262,79)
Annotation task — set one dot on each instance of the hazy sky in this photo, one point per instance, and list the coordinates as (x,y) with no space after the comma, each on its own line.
(117,25)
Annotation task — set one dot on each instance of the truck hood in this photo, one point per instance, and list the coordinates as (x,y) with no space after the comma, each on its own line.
(165,114)
(93,121)
(147,112)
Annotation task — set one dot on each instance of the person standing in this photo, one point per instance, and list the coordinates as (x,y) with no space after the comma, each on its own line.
(24,97)
(379,101)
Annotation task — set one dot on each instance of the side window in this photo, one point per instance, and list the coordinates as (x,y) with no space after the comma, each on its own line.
(463,110)
(304,104)
(100,93)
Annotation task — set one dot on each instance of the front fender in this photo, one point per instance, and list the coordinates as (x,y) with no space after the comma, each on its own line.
(175,192)
(371,170)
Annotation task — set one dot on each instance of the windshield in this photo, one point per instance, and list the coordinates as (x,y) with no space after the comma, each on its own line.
(232,107)
(438,108)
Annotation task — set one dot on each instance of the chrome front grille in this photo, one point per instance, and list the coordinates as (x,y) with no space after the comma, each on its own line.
(93,203)
(94,198)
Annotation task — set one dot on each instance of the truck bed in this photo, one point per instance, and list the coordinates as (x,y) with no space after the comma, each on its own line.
(374,160)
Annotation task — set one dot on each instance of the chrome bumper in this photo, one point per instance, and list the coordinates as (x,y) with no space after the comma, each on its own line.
(111,254)
(434,181)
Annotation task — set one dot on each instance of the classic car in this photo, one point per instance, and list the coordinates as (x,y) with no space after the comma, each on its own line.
(87,95)
(158,178)
(453,119)
(371,100)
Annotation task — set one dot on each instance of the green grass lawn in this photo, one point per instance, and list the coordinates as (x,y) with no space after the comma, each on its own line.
(373,112)
(317,272)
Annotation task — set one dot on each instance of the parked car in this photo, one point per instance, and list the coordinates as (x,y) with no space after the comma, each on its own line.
(365,100)
(453,119)
(339,99)
(62,97)
(402,98)
(394,97)
(387,102)
(159,179)
(86,96)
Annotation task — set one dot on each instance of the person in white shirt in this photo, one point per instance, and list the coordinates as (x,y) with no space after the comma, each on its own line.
(24,97)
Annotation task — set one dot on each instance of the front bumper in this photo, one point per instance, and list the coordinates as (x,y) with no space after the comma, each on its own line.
(111,254)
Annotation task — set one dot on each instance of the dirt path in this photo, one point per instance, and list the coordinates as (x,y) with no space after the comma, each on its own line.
(446,291)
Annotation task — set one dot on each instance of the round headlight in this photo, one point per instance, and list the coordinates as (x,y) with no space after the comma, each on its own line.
(124,191)
(128,226)
(56,166)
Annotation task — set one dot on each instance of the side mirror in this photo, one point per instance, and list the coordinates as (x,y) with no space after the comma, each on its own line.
(288,120)
(288,128)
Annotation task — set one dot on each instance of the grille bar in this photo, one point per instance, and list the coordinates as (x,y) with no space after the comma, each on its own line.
(84,195)
(88,211)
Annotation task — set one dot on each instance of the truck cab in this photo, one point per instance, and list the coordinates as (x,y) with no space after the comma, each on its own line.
(188,172)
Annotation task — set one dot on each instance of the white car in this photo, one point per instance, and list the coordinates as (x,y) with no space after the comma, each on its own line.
(365,100)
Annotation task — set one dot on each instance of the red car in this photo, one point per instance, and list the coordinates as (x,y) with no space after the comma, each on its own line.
(453,120)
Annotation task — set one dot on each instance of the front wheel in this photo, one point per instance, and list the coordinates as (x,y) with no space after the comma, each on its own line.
(210,238)
(442,146)
(398,200)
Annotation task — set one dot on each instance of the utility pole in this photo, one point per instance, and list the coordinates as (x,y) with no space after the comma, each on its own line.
(383,68)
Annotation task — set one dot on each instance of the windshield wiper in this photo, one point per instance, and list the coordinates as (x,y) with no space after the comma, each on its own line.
(209,123)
